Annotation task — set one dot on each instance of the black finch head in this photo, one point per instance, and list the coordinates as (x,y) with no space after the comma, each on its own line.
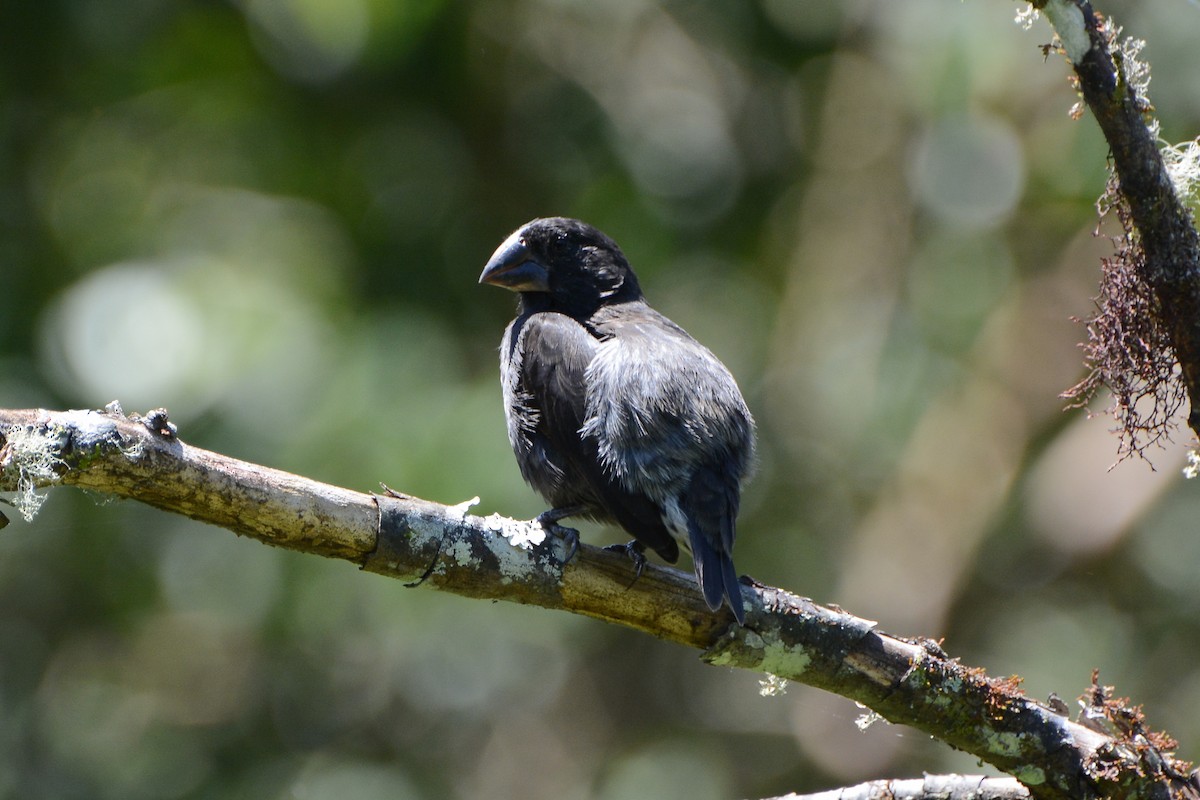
(563,265)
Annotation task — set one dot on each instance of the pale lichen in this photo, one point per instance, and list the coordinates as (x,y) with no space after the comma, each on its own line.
(1068,23)
(1193,465)
(867,718)
(1182,162)
(460,510)
(772,686)
(524,534)
(33,456)
(1027,16)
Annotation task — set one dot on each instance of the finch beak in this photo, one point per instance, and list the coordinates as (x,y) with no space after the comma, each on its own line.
(512,267)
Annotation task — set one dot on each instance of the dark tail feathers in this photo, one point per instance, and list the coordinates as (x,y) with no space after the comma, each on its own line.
(715,574)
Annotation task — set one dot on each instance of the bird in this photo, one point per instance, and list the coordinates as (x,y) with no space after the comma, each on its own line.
(614,412)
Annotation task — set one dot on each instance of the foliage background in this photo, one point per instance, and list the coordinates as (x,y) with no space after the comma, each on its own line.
(269,216)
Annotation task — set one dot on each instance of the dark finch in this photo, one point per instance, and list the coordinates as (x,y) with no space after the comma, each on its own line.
(614,412)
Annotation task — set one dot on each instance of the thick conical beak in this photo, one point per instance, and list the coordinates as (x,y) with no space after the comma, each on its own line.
(513,267)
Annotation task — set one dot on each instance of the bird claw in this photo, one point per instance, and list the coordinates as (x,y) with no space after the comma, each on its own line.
(570,537)
(635,551)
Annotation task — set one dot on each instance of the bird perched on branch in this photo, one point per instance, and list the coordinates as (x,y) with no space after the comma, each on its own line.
(614,412)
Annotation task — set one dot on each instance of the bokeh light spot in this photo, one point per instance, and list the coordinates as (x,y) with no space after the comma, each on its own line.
(969,171)
(312,41)
(124,331)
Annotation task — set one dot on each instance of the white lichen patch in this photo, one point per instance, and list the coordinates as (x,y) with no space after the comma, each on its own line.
(772,686)
(1136,71)
(513,562)
(1193,465)
(867,718)
(1182,162)
(460,553)
(33,455)
(1068,23)
(459,511)
(524,534)
(1027,16)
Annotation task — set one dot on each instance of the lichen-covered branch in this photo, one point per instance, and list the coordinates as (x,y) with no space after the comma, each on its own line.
(1160,247)
(931,787)
(443,547)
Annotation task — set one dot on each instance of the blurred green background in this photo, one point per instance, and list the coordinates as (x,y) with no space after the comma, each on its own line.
(269,217)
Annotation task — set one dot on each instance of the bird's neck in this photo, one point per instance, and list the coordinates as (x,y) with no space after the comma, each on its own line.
(533,302)
(577,305)
(577,308)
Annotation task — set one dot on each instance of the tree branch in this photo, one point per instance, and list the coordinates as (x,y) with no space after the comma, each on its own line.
(1166,233)
(942,787)
(904,681)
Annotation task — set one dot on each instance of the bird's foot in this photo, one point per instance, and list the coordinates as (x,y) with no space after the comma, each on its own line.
(570,537)
(636,552)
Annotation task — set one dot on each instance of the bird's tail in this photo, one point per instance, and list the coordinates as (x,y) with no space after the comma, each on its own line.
(715,573)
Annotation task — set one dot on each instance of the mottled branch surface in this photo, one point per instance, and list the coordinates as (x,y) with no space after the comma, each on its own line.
(904,681)
(942,787)
(1166,231)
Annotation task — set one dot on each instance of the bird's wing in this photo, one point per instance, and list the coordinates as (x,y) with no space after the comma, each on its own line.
(543,360)
(661,405)
(554,352)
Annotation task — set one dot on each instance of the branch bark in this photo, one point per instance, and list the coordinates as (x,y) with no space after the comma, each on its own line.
(942,787)
(442,547)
